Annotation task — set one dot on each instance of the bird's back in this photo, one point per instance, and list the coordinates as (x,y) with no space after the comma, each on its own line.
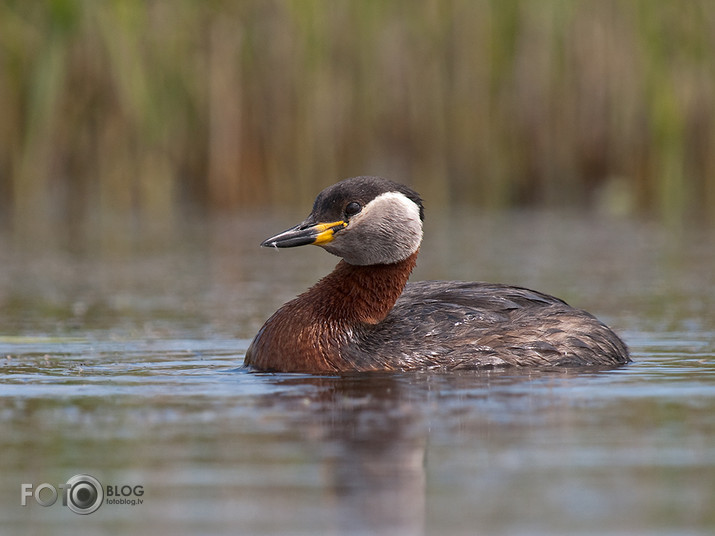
(462,325)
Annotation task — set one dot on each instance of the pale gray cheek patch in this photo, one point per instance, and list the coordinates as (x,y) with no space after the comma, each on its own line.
(387,230)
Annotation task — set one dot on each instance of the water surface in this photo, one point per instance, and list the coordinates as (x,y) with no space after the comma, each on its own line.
(121,359)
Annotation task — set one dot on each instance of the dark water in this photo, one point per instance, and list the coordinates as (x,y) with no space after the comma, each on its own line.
(120,359)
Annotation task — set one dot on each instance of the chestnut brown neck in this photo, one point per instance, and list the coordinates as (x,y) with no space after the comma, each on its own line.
(307,333)
(360,294)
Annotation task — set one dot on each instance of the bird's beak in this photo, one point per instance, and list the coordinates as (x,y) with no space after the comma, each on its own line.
(307,232)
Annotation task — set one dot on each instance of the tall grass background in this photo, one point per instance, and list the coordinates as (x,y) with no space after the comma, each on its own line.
(149,110)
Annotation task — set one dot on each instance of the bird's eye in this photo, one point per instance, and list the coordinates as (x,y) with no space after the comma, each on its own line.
(352,208)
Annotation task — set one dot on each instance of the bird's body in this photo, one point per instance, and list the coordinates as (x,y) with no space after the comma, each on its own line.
(364,316)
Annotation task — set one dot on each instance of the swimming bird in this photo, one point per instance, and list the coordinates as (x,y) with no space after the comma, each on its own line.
(365,316)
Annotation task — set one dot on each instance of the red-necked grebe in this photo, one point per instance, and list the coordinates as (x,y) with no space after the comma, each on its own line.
(364,316)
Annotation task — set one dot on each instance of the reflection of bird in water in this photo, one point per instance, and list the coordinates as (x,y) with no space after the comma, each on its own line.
(373,431)
(365,316)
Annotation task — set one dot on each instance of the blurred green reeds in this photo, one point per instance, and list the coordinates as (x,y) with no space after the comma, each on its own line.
(155,108)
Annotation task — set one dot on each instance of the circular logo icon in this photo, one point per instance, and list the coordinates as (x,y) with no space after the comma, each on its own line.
(85,494)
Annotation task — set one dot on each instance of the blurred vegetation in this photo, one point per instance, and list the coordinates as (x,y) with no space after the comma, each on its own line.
(148,110)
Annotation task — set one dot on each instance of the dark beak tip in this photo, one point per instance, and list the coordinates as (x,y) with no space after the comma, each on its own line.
(299,235)
(288,240)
